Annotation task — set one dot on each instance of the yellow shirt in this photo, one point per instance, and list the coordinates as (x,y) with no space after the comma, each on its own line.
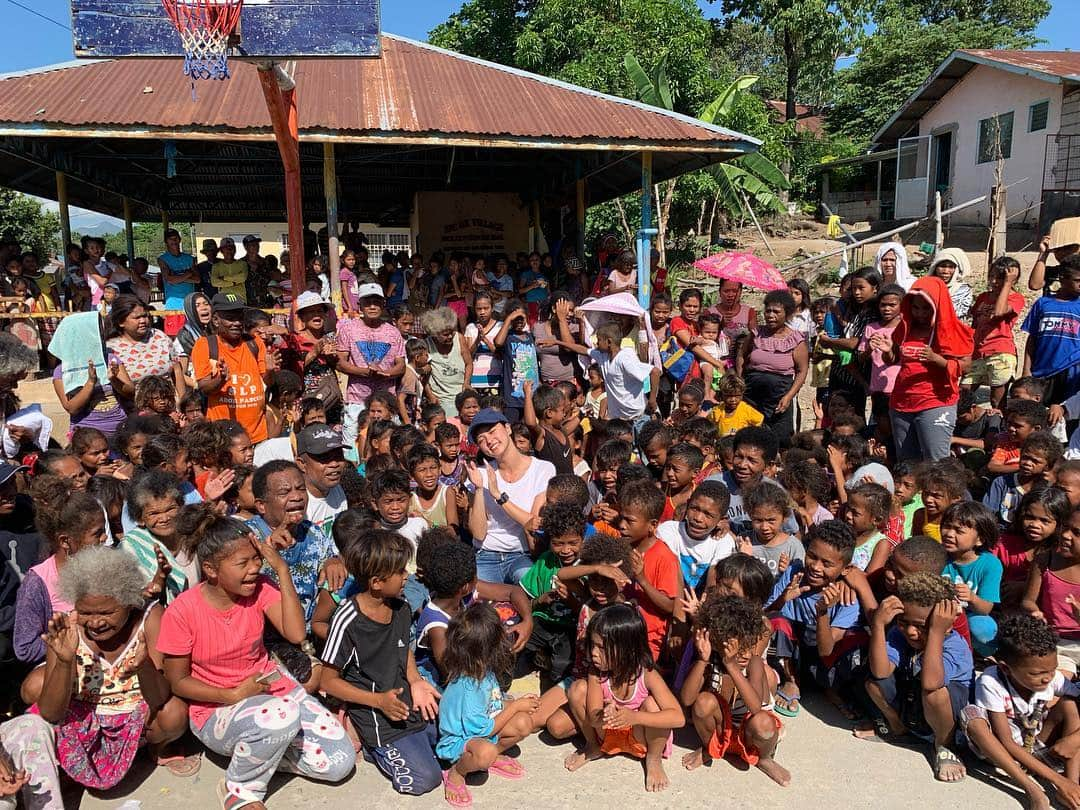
(229,278)
(745,415)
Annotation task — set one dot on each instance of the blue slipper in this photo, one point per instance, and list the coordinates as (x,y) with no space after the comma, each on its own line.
(787,711)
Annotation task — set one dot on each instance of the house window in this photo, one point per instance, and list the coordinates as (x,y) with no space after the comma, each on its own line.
(995,136)
(284,239)
(1037,115)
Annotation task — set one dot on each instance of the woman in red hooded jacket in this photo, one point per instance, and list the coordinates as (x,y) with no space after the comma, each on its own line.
(933,349)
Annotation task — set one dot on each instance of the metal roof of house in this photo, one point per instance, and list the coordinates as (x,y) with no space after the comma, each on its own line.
(1057,67)
(412,90)
(419,118)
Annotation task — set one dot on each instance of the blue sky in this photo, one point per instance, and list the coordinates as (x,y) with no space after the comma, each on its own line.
(40,42)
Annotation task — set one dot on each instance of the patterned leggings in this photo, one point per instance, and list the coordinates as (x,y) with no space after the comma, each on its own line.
(31,743)
(263,733)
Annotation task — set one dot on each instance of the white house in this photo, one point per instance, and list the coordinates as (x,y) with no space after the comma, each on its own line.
(978,107)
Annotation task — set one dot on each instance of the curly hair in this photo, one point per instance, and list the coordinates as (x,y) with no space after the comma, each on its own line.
(766,494)
(759,438)
(605,549)
(562,519)
(1043,443)
(714,491)
(1023,636)
(925,589)
(208,444)
(924,551)
(103,571)
(834,533)
(153,386)
(430,545)
(730,617)
(447,572)
(948,474)
(477,644)
(731,386)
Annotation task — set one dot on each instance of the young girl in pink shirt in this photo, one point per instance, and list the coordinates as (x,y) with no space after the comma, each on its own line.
(241,704)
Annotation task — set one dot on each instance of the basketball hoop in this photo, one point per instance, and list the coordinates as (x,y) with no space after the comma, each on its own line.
(205,27)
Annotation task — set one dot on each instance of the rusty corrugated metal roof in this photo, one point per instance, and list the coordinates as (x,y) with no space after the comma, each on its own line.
(411,90)
(1063,64)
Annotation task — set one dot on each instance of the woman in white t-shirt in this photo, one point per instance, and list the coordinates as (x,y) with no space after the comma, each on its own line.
(509,493)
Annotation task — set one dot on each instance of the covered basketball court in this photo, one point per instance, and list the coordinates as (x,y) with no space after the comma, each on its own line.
(129,138)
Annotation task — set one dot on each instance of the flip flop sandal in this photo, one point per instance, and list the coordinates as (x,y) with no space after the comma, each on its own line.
(794,704)
(182,766)
(230,801)
(507,768)
(942,757)
(456,795)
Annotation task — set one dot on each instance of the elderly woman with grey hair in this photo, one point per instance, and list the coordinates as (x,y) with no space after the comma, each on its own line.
(101,685)
(16,361)
(451,359)
(154,501)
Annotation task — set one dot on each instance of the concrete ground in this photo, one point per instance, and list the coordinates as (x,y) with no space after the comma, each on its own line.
(829,768)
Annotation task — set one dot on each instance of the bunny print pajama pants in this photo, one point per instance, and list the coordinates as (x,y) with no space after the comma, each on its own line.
(263,734)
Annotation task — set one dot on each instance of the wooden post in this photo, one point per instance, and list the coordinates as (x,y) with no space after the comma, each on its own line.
(998,222)
(645,237)
(330,190)
(129,232)
(939,234)
(164,220)
(580,200)
(536,224)
(65,213)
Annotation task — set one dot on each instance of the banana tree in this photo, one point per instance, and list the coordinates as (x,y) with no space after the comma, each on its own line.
(747,182)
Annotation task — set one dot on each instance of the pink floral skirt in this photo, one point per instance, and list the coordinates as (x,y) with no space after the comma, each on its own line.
(96,750)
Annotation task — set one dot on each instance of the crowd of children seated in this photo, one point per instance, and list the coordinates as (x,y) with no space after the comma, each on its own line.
(338,545)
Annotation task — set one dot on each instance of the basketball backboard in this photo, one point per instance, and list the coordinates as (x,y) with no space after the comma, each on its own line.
(269,29)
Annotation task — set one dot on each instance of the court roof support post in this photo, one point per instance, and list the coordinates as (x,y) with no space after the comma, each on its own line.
(129,232)
(65,212)
(644,244)
(330,190)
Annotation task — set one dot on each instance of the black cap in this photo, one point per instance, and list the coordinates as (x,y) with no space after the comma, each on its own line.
(227,302)
(7,470)
(316,439)
(485,419)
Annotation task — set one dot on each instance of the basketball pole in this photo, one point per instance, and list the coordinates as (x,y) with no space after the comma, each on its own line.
(279,90)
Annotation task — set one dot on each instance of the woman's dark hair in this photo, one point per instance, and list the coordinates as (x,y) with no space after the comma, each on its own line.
(83,437)
(122,307)
(625,641)
(1053,499)
(808,477)
(783,298)
(108,491)
(465,395)
(688,293)
(206,535)
(871,277)
(974,515)
(376,553)
(477,644)
(803,288)
(59,509)
(207,444)
(161,449)
(754,577)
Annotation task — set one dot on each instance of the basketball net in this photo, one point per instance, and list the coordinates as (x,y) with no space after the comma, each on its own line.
(205,27)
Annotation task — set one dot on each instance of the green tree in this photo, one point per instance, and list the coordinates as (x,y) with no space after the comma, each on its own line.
(486,29)
(27,221)
(910,41)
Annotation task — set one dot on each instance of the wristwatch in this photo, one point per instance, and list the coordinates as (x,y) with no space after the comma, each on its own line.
(502,499)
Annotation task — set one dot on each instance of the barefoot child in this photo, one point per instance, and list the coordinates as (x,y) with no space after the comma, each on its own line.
(921,670)
(629,709)
(730,687)
(369,665)
(1017,712)
(1053,592)
(476,728)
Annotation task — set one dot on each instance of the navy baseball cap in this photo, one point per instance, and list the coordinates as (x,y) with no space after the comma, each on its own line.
(485,419)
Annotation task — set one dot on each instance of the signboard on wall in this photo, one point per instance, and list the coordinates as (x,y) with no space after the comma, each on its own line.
(477,224)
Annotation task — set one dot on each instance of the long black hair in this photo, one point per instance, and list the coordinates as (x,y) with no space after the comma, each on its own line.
(477,644)
(625,641)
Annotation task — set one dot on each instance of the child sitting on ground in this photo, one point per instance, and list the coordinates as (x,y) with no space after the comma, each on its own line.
(768,505)
(1018,715)
(920,670)
(1038,455)
(628,707)
(733,412)
(968,535)
(450,577)
(867,509)
(730,687)
(476,727)
(431,500)
(1023,417)
(369,664)
(816,634)
(682,466)
(1042,513)
(941,484)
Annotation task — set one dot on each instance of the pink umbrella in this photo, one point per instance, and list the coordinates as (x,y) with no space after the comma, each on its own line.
(745,268)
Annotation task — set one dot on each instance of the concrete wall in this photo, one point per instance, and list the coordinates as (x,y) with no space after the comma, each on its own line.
(983,93)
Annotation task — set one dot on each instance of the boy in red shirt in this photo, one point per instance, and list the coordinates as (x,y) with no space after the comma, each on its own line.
(654,570)
(993,317)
